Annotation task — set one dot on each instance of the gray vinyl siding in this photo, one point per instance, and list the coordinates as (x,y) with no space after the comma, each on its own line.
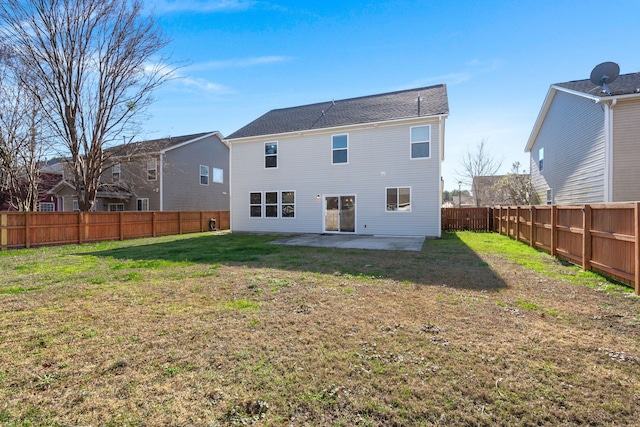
(182,190)
(626,151)
(573,139)
(379,157)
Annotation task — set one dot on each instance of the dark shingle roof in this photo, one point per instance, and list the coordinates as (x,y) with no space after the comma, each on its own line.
(366,109)
(151,146)
(625,84)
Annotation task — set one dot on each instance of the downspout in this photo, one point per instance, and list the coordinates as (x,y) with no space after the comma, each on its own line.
(230,188)
(161,182)
(608,150)
(441,185)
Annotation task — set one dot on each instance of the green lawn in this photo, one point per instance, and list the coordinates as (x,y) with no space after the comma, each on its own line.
(223,329)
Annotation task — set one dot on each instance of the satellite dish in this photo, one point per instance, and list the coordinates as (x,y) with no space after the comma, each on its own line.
(604,74)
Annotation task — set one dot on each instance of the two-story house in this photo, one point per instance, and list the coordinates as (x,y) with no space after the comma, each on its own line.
(585,144)
(184,173)
(367,165)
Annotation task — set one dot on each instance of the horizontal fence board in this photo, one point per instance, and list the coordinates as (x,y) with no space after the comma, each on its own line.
(28,229)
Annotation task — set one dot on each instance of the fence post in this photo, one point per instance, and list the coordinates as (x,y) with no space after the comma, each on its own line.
(121,224)
(153,224)
(180,222)
(27,232)
(4,240)
(554,210)
(80,228)
(517,223)
(532,232)
(586,237)
(637,248)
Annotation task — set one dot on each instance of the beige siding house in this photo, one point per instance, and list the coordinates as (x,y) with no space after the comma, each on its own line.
(368,165)
(184,173)
(585,144)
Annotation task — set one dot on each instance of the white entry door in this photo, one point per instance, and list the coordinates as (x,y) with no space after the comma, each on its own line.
(340,214)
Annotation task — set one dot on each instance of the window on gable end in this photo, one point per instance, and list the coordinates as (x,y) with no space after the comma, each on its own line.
(204,175)
(271,154)
(421,142)
(152,169)
(340,149)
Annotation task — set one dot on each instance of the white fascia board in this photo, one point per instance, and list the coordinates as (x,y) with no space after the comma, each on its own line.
(343,128)
(191,141)
(541,116)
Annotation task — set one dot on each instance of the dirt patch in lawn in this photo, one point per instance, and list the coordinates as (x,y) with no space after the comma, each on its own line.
(228,330)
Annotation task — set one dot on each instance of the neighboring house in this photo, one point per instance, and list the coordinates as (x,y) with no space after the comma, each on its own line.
(585,144)
(183,173)
(368,165)
(47,202)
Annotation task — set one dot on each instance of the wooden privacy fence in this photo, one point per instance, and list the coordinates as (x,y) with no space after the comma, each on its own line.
(28,229)
(474,219)
(599,237)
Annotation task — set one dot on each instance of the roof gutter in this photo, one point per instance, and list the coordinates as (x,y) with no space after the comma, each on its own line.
(338,128)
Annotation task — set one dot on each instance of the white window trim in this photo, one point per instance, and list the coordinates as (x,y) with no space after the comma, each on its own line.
(336,149)
(115,204)
(116,170)
(155,169)
(221,181)
(143,200)
(256,204)
(201,175)
(264,162)
(76,206)
(411,142)
(282,204)
(276,204)
(541,159)
(386,206)
(549,196)
(51,205)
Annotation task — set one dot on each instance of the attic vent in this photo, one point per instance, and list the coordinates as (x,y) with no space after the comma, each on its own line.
(333,102)
(323,112)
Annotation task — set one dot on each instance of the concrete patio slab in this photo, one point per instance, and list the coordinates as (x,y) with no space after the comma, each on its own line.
(384,243)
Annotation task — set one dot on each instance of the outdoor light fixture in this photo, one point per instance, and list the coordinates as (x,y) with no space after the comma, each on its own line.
(317,197)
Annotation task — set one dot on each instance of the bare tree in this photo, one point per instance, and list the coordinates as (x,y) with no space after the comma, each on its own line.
(93,61)
(21,145)
(476,164)
(515,187)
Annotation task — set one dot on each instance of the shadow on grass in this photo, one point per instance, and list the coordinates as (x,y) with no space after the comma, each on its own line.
(445,261)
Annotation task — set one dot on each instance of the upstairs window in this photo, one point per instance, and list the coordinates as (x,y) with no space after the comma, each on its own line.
(420,142)
(340,149)
(218,175)
(271,154)
(115,172)
(204,175)
(541,159)
(152,169)
(398,199)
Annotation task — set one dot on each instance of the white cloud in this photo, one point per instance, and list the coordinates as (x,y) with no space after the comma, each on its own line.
(201,6)
(203,85)
(237,63)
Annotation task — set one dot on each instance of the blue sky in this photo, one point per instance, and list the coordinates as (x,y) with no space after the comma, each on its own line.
(241,59)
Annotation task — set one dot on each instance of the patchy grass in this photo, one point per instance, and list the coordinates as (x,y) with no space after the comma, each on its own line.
(221,329)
